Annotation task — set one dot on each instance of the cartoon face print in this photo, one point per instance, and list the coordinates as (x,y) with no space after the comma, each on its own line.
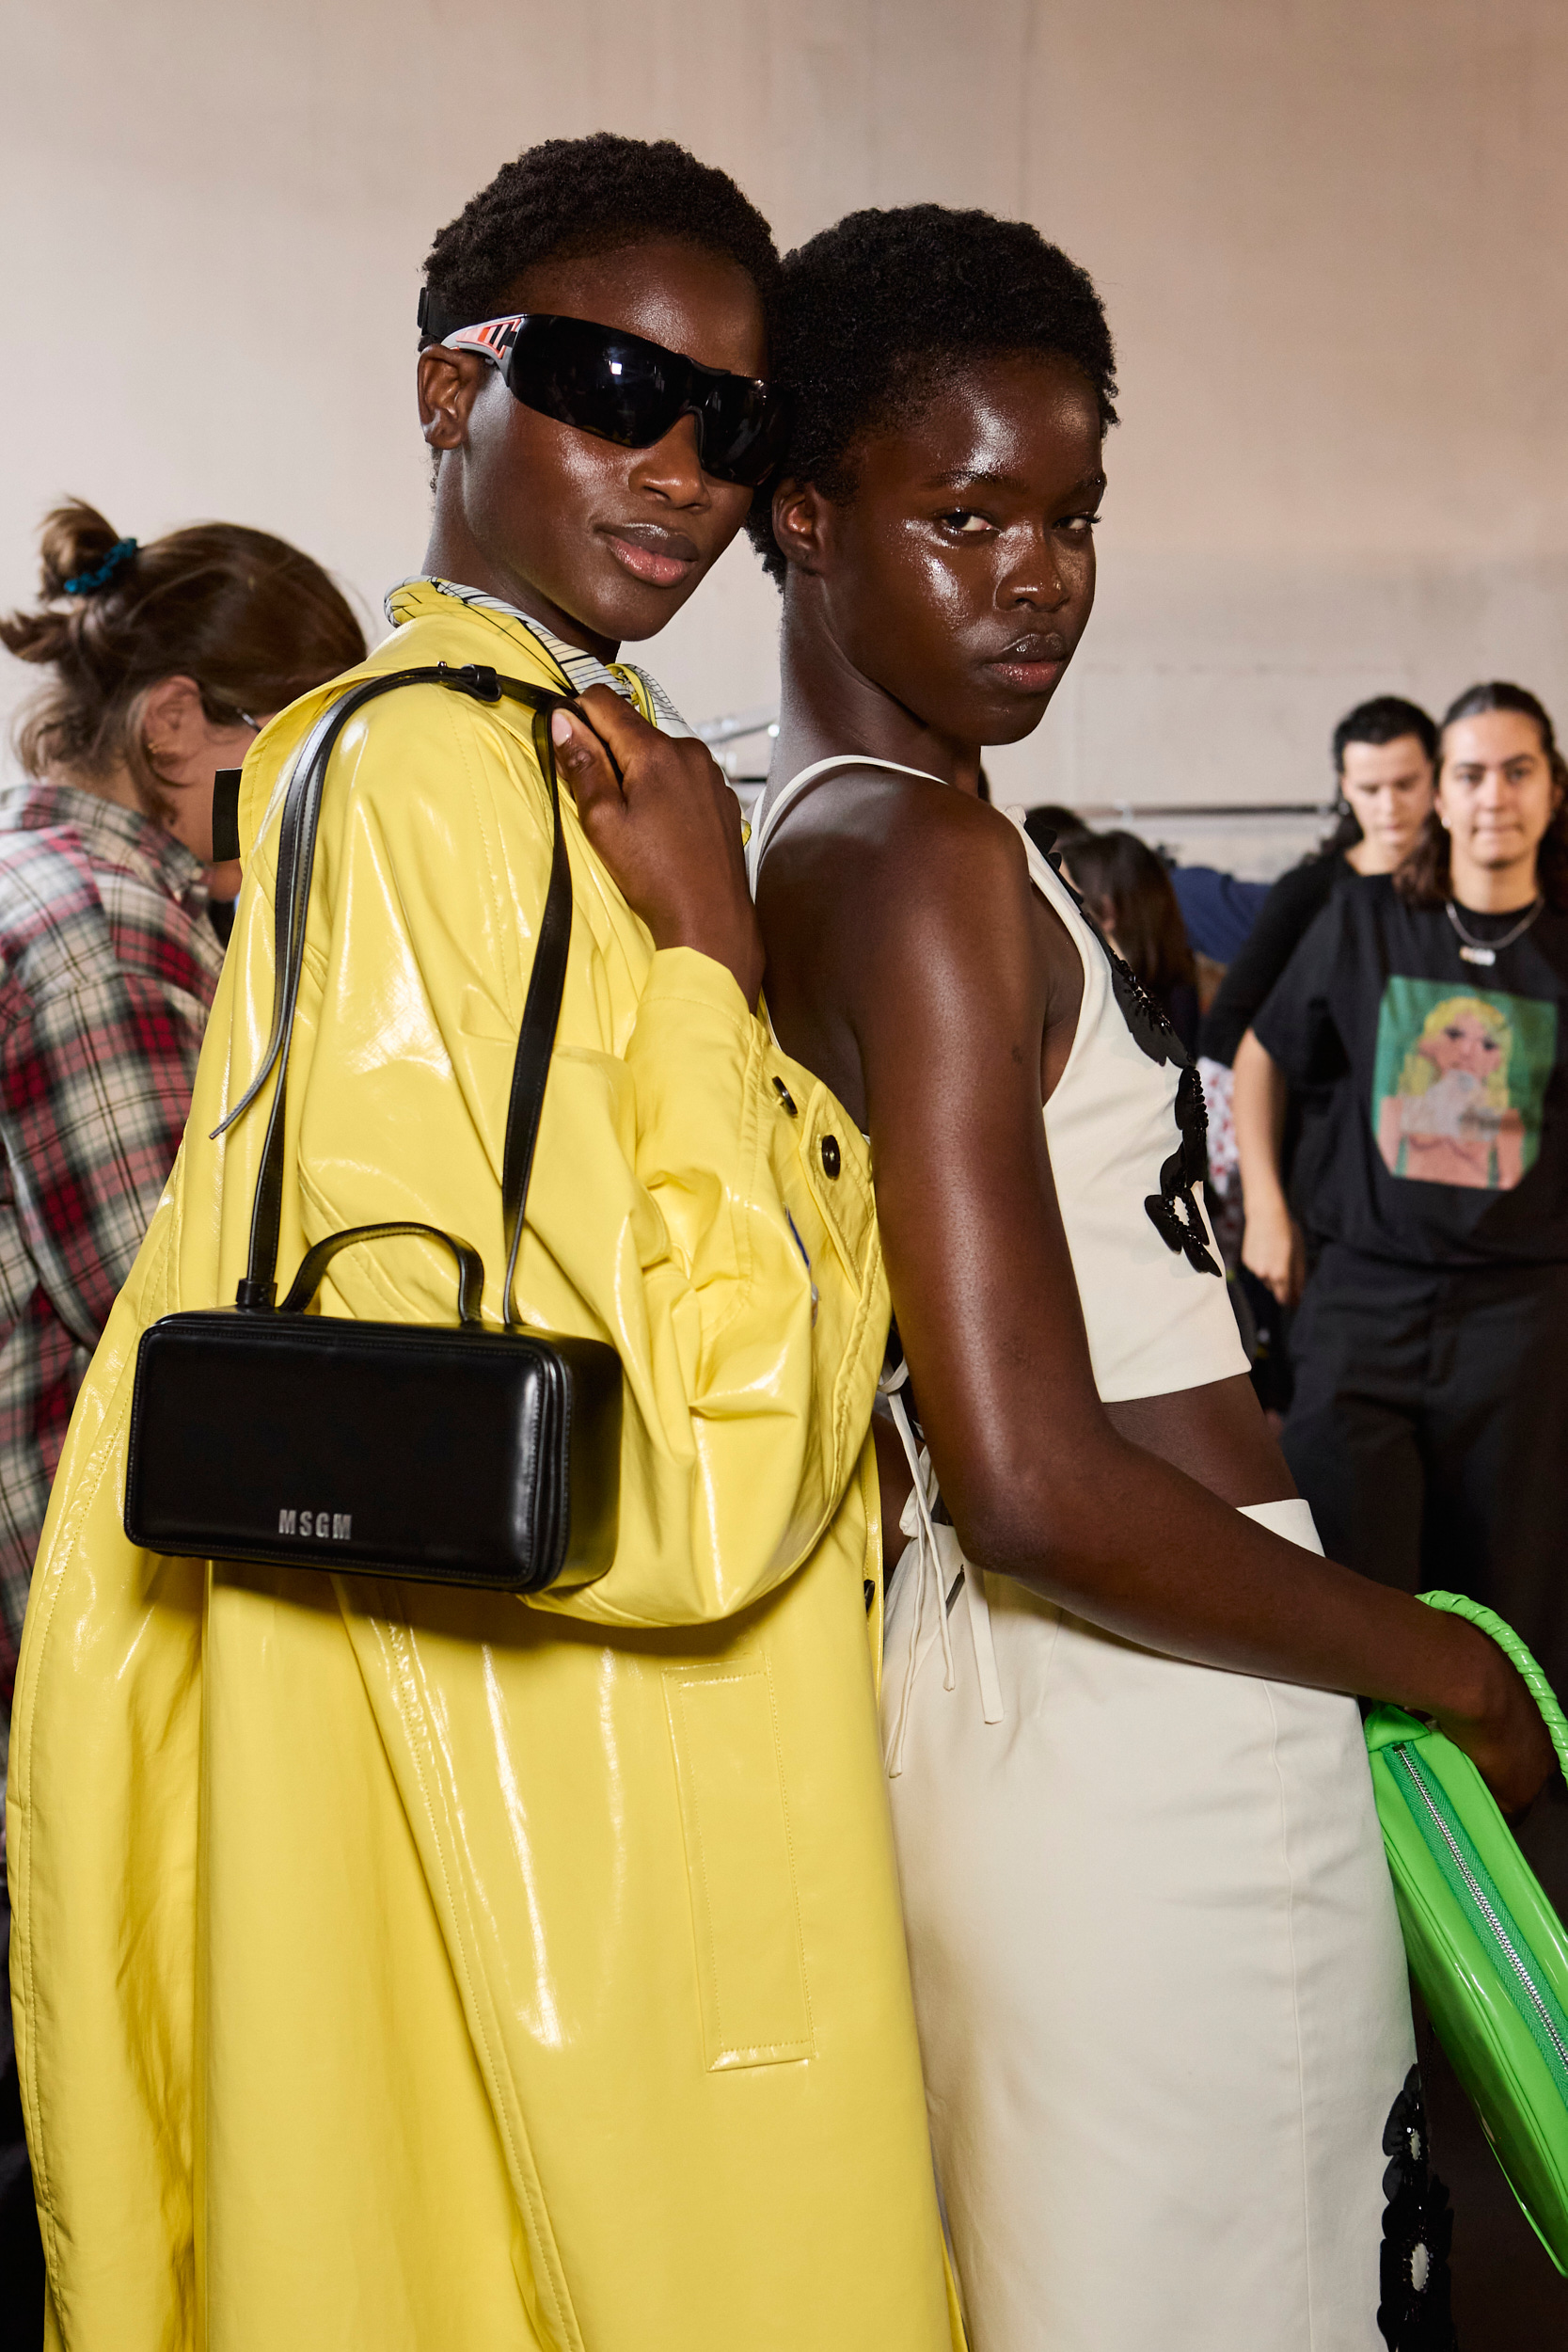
(1460,1083)
(1465,1043)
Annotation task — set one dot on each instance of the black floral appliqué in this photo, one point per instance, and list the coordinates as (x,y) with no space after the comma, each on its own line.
(1173,1210)
(1418,2228)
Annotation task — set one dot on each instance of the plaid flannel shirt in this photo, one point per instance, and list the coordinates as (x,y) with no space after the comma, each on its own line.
(108,966)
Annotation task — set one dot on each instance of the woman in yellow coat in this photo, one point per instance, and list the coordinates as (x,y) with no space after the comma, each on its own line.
(399,1967)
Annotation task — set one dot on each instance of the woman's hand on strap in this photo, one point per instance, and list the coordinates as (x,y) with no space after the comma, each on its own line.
(658,811)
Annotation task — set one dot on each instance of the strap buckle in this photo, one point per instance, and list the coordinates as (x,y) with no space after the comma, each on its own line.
(475,677)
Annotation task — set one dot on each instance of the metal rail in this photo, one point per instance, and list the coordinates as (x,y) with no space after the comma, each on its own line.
(1130,813)
(1177,809)
(743,723)
(737,726)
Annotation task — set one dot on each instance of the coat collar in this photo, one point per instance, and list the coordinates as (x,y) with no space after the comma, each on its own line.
(415,600)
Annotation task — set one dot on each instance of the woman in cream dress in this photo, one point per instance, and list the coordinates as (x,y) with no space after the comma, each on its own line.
(1158,1975)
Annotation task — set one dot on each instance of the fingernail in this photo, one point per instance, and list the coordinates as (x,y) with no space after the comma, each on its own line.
(560,727)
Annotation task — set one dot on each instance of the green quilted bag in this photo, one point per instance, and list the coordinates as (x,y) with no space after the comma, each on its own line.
(1485,1947)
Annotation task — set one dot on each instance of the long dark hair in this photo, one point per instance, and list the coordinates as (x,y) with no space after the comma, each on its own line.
(1127,886)
(1425,879)
(254,622)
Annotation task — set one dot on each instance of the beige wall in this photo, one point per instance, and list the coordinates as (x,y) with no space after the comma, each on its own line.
(1329,232)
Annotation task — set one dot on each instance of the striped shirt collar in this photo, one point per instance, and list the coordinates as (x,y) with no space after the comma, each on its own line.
(580,670)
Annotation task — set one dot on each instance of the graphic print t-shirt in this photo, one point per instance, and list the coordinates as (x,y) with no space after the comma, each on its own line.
(1440,1137)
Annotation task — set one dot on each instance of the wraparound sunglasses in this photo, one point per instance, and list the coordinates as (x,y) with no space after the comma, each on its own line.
(624,388)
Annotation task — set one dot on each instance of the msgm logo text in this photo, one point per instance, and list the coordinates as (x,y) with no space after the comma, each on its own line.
(330,1527)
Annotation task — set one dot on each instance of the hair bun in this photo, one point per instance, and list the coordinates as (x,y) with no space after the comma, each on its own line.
(74,543)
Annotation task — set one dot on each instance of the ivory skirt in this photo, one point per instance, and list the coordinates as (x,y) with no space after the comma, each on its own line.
(1160,1989)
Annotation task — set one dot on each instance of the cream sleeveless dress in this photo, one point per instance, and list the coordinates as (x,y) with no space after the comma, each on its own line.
(1160,1989)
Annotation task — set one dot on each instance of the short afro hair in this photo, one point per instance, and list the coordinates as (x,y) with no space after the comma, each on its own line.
(568,197)
(874,312)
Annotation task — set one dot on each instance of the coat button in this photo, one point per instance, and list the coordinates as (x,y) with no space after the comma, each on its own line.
(784,1096)
(830,1156)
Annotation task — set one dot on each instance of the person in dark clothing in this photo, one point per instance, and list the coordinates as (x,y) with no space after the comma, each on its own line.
(1384,752)
(1129,893)
(1429,1424)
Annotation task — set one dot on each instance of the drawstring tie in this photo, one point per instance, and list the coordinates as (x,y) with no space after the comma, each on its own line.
(929,1567)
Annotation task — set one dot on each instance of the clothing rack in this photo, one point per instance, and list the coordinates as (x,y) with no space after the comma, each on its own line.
(1129,812)
(1253,840)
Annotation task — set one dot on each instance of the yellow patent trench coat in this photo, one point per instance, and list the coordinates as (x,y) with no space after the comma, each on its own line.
(398,1969)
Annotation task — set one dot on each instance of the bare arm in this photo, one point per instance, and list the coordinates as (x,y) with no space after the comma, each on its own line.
(1272,1245)
(950,968)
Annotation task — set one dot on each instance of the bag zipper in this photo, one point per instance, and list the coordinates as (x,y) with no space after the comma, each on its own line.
(1438,1810)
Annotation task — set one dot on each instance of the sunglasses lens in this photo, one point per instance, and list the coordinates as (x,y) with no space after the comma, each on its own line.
(584,375)
(631,392)
(743,430)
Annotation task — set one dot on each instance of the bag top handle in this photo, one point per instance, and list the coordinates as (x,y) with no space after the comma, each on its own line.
(296,850)
(1535,1683)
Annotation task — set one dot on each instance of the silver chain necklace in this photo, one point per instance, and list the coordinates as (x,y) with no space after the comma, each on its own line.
(1483,950)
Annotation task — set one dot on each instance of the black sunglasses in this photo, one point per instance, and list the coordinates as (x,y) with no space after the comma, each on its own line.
(626,389)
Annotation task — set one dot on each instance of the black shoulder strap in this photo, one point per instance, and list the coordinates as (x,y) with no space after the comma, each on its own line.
(296,850)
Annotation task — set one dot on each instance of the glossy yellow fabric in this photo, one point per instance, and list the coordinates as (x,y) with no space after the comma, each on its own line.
(401,1969)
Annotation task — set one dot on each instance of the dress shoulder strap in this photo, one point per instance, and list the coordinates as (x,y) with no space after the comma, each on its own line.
(762,834)
(1048,881)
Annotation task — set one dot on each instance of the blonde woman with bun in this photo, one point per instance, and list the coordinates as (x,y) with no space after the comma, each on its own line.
(158,664)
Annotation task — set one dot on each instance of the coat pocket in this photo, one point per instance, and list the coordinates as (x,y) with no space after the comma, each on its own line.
(745,1910)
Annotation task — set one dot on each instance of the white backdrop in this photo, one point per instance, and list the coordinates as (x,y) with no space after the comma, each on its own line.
(1329,235)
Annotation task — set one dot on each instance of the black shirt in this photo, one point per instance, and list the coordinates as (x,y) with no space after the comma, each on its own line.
(1440,1135)
(1289,912)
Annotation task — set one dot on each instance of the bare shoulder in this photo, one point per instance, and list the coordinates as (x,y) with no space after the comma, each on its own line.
(899,921)
(902,856)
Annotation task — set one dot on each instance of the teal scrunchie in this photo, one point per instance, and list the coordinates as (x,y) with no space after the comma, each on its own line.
(86,583)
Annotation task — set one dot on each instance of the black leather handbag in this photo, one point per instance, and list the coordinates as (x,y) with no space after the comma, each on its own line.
(450,1454)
